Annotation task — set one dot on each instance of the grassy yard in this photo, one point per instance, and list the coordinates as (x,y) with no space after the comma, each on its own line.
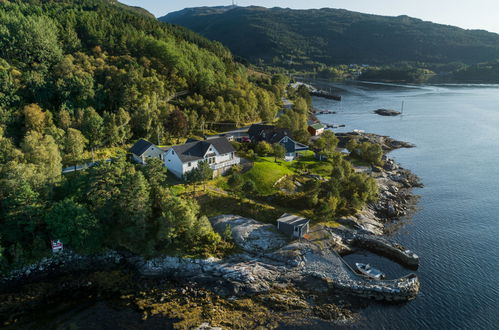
(308,163)
(213,204)
(216,199)
(266,172)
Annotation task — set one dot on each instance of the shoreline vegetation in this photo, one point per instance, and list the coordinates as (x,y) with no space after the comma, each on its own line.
(134,234)
(339,44)
(184,293)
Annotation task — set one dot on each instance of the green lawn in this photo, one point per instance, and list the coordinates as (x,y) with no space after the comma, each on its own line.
(308,163)
(266,172)
(213,204)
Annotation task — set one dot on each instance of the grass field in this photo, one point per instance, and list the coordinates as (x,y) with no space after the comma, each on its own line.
(307,162)
(266,172)
(213,204)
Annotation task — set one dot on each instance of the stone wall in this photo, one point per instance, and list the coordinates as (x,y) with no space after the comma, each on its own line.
(386,248)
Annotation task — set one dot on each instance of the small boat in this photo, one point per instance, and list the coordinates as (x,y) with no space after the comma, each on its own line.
(369,271)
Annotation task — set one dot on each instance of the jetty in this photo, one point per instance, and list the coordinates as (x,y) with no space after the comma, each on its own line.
(325,94)
(334,125)
(323,112)
(318,92)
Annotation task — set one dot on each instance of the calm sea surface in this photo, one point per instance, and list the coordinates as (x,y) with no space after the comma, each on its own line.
(456,228)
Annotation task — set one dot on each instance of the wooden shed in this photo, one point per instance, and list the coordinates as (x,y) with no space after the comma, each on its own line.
(316,129)
(293,225)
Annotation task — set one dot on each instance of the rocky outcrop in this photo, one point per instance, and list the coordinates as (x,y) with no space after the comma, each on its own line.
(387,112)
(396,199)
(386,142)
(250,235)
(239,274)
(59,264)
(299,263)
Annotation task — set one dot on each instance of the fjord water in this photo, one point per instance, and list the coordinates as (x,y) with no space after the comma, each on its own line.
(455,230)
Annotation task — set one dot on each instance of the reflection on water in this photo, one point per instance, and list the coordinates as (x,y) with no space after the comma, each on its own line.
(455,230)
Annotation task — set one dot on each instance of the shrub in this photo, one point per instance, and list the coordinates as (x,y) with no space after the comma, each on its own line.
(263,149)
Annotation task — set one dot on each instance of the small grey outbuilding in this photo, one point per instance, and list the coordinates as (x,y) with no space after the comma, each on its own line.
(143,150)
(293,225)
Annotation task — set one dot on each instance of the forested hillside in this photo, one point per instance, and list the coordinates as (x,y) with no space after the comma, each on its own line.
(83,75)
(294,38)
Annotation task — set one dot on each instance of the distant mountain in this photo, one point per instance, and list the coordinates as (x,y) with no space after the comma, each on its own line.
(280,36)
(135,9)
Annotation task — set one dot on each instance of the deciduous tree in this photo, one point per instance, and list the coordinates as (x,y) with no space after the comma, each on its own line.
(278,151)
(263,149)
(74,225)
(75,145)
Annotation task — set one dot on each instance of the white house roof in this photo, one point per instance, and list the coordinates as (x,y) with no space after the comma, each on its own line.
(198,149)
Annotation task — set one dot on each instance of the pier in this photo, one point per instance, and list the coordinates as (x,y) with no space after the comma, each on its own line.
(334,125)
(326,95)
(324,112)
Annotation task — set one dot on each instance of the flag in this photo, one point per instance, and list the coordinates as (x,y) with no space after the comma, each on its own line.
(57,246)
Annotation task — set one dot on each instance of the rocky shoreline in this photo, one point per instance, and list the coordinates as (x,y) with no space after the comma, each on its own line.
(396,185)
(269,272)
(387,143)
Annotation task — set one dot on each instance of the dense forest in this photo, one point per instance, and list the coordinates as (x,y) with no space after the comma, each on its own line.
(305,39)
(84,75)
(487,72)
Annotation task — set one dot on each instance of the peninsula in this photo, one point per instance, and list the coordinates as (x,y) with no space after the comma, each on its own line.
(143,166)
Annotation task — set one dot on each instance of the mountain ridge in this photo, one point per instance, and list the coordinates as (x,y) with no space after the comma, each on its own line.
(335,36)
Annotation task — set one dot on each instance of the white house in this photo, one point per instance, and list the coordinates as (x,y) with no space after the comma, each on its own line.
(143,150)
(217,152)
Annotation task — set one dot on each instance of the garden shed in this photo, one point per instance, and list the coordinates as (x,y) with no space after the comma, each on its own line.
(293,225)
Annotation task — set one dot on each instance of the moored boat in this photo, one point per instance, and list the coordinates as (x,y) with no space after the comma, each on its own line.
(369,271)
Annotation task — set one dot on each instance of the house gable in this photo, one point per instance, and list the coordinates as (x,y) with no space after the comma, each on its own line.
(143,150)
(218,153)
(173,162)
(291,145)
(267,133)
(140,147)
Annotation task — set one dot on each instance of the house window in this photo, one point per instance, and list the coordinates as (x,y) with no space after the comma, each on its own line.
(173,152)
(189,164)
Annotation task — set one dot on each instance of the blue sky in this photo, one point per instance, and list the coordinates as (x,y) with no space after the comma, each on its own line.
(476,14)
